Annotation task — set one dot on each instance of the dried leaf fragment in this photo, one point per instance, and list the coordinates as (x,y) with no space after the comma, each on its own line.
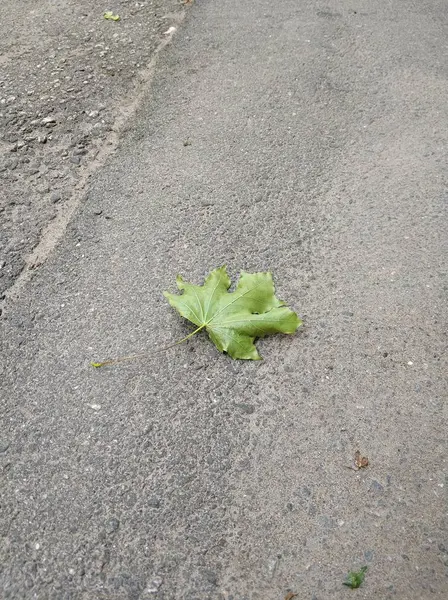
(290,596)
(361,462)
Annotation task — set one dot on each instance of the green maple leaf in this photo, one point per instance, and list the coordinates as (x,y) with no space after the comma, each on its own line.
(234,320)
(356,578)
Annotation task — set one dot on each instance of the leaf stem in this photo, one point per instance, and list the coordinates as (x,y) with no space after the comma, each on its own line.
(115,361)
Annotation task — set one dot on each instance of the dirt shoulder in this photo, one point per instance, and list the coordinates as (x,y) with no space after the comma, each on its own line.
(65,72)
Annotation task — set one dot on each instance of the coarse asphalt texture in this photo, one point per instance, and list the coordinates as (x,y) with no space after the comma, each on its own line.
(66,74)
(303,137)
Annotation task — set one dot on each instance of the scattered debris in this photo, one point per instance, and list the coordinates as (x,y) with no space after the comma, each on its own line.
(4,445)
(355,578)
(187,142)
(170,31)
(361,462)
(109,15)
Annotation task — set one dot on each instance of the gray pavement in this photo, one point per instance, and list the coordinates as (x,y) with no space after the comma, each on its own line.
(308,138)
(66,76)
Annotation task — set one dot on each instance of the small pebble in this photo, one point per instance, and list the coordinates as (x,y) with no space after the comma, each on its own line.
(48,121)
(112,525)
(4,445)
(154,585)
(368,555)
(376,487)
(271,567)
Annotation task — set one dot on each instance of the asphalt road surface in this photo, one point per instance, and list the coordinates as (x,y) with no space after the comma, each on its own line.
(304,137)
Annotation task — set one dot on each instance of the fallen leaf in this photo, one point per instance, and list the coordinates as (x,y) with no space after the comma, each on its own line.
(109,15)
(234,320)
(355,578)
(290,596)
(361,462)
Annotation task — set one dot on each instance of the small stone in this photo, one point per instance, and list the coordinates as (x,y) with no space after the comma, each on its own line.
(376,487)
(246,408)
(368,555)
(154,502)
(154,586)
(55,197)
(112,525)
(4,445)
(42,139)
(97,211)
(75,160)
(48,122)
(94,114)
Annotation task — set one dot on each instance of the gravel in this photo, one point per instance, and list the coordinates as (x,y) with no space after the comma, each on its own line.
(64,72)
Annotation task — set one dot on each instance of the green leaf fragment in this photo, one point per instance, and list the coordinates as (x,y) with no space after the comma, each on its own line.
(109,15)
(234,320)
(355,578)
